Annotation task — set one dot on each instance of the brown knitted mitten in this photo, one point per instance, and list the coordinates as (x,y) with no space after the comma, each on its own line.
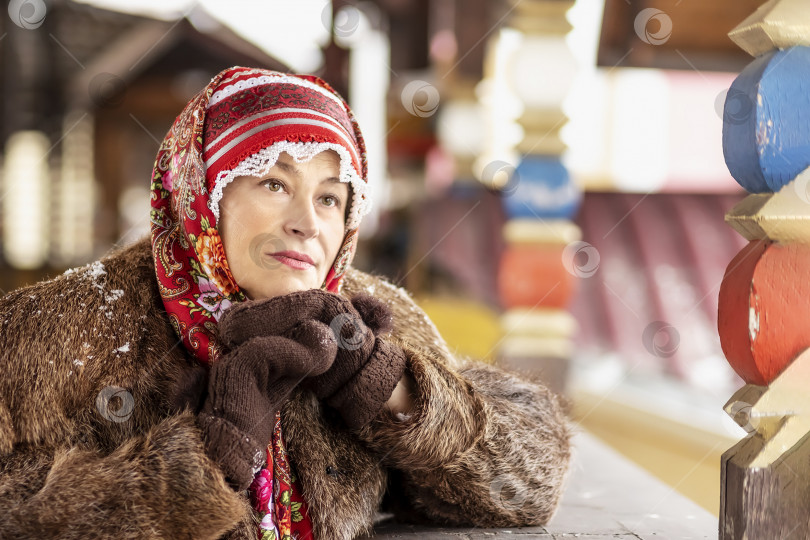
(250,383)
(367,368)
(276,316)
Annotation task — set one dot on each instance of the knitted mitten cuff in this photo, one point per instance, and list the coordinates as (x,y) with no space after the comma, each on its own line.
(362,397)
(237,455)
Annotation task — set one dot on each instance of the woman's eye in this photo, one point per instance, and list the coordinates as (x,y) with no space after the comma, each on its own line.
(330,200)
(273,185)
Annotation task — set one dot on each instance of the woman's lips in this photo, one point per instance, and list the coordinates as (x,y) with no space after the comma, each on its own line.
(299,261)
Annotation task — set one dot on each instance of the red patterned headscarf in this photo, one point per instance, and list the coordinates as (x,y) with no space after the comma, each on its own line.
(237,126)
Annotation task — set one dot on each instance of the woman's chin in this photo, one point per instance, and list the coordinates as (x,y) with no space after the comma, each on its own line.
(278,289)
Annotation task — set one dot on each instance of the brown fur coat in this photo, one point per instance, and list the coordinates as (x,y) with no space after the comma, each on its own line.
(483,447)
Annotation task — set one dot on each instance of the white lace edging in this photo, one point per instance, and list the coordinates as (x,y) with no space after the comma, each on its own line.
(261,162)
(230,90)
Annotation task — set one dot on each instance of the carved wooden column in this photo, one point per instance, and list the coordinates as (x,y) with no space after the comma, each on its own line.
(544,254)
(764,305)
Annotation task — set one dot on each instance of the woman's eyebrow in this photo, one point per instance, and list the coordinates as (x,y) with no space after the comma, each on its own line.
(292,169)
(288,168)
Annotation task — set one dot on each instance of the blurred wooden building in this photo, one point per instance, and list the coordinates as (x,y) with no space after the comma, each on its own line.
(87,97)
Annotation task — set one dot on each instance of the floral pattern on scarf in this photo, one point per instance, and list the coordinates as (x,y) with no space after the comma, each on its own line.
(278,505)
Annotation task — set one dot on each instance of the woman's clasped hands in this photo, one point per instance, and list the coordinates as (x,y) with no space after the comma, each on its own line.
(313,338)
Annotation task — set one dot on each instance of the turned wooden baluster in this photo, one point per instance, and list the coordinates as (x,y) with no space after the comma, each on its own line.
(544,255)
(764,306)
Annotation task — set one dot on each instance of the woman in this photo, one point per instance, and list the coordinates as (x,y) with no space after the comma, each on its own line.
(233,377)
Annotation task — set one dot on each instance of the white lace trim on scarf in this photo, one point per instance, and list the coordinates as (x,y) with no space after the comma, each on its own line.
(260,163)
(230,90)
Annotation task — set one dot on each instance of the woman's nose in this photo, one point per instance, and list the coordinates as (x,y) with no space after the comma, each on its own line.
(302,220)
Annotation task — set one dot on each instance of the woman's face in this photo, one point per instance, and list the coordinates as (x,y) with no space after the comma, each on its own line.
(282,232)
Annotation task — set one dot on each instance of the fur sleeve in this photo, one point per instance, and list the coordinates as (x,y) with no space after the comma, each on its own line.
(159,485)
(38,388)
(64,341)
(483,446)
(89,447)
